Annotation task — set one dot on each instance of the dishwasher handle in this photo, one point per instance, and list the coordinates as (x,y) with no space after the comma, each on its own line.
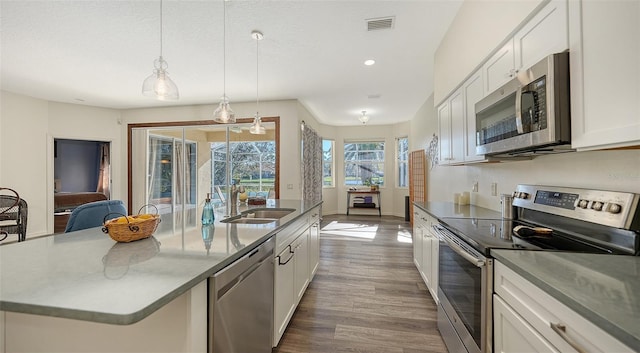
(232,275)
(236,281)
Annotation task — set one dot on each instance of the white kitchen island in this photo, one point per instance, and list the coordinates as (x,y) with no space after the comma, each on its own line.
(81,291)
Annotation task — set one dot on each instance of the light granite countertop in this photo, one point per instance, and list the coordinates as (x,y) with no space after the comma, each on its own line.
(85,275)
(604,289)
(441,210)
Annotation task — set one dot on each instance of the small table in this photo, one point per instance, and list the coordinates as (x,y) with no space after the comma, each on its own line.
(377,193)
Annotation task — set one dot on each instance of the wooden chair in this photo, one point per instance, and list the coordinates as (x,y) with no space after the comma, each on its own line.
(13,214)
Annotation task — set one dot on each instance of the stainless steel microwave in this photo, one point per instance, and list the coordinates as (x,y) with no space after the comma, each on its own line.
(528,115)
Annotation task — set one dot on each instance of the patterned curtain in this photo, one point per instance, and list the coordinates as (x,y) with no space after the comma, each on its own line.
(104,176)
(311,164)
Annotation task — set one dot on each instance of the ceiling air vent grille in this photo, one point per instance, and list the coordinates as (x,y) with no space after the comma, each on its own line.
(375,24)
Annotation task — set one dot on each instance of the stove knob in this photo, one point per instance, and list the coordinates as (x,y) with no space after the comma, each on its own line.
(523,195)
(583,203)
(597,206)
(614,208)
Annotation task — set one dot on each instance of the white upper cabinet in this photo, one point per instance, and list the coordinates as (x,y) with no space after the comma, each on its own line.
(456,104)
(546,33)
(605,73)
(473,92)
(457,117)
(499,69)
(444,127)
(451,127)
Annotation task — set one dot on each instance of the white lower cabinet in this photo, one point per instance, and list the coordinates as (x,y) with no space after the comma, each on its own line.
(527,319)
(301,265)
(417,240)
(314,242)
(284,292)
(297,257)
(425,251)
(513,334)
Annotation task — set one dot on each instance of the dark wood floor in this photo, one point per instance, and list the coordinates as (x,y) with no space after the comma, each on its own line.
(367,295)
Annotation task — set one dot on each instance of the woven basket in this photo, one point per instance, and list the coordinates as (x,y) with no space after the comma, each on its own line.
(137,229)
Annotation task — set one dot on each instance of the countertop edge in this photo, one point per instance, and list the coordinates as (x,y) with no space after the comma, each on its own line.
(136,316)
(477,211)
(620,334)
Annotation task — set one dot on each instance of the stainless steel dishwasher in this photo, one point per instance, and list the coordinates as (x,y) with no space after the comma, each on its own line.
(241,304)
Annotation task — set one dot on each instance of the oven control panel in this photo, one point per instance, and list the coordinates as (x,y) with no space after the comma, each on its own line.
(611,208)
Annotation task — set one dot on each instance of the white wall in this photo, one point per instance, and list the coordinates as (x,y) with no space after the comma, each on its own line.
(25,125)
(29,126)
(461,51)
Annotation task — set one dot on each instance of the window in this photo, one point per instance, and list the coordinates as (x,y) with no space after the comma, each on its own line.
(253,165)
(364,163)
(327,163)
(402,159)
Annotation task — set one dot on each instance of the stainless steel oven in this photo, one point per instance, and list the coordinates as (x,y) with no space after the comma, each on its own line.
(547,218)
(465,285)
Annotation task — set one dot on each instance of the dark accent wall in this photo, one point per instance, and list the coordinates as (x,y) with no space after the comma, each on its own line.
(77,165)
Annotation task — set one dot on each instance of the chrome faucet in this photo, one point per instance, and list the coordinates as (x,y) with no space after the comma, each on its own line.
(233,203)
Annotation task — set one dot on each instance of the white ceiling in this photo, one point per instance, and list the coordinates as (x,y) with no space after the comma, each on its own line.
(98,53)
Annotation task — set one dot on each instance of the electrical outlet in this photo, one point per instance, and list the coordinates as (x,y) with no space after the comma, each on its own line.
(289,186)
(494,189)
(474,188)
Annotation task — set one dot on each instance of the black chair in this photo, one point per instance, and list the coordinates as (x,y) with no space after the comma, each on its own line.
(13,214)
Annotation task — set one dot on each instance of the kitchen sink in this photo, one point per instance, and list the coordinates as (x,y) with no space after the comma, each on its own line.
(267,213)
(243,220)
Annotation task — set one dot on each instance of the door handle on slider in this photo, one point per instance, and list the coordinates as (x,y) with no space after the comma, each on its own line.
(561,330)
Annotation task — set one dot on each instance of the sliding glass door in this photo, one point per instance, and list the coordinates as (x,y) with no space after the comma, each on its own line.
(174,168)
(171,179)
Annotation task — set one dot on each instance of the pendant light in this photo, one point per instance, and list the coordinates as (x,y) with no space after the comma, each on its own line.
(257,127)
(224,114)
(364,117)
(159,84)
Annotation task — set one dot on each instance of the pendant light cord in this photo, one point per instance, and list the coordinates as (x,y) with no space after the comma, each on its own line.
(224,49)
(257,72)
(161,31)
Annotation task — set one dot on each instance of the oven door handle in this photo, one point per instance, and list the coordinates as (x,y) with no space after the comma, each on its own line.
(478,262)
(474,260)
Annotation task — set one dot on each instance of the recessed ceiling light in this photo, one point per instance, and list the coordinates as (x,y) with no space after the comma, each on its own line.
(369,62)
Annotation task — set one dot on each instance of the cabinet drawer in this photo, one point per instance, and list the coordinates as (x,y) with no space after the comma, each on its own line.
(314,215)
(292,231)
(541,310)
(512,334)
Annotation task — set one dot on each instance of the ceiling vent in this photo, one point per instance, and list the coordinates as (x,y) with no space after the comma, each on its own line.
(374,24)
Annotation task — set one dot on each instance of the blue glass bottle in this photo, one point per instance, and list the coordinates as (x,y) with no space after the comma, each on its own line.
(207,212)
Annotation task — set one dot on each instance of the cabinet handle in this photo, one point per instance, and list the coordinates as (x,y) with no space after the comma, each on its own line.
(289,259)
(561,330)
